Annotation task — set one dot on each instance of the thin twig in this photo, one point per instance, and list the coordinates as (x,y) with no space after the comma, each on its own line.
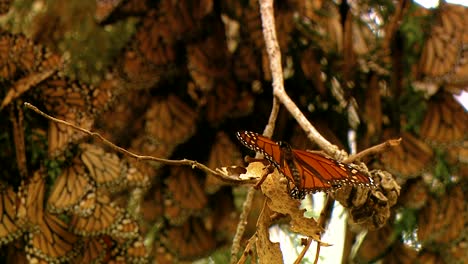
(241,225)
(274,55)
(382,147)
(186,162)
(322,222)
(268,132)
(18,136)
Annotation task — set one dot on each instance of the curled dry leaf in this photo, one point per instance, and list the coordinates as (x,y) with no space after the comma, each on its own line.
(268,252)
(279,201)
(370,208)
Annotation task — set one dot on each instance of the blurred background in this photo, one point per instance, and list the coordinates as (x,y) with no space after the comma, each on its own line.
(177,79)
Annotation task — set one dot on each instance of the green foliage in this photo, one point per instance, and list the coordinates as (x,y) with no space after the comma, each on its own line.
(71,30)
(412,30)
(413,104)
(406,224)
(54,168)
(442,170)
(93,49)
(222,255)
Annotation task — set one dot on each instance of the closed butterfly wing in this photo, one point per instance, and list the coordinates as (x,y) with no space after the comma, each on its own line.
(189,241)
(223,153)
(52,241)
(104,218)
(126,228)
(31,194)
(69,188)
(17,55)
(170,121)
(60,136)
(445,122)
(66,100)
(184,195)
(10,229)
(408,160)
(23,85)
(137,252)
(105,169)
(94,251)
(443,56)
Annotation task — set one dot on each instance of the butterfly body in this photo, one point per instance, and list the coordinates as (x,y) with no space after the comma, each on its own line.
(309,172)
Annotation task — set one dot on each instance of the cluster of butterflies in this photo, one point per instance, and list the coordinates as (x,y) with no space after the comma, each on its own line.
(93,230)
(79,218)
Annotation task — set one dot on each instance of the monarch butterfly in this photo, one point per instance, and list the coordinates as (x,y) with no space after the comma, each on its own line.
(136,252)
(222,153)
(60,136)
(69,188)
(408,159)
(23,85)
(126,228)
(151,56)
(105,169)
(85,207)
(207,59)
(184,196)
(31,196)
(104,218)
(94,251)
(188,241)
(309,172)
(52,241)
(17,55)
(183,17)
(442,59)
(134,175)
(10,229)
(66,100)
(216,108)
(446,121)
(152,207)
(170,121)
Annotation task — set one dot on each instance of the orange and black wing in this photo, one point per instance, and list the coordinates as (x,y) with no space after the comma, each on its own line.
(319,173)
(267,147)
(309,172)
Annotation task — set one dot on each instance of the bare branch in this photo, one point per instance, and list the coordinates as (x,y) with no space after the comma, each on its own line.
(382,147)
(274,54)
(241,225)
(186,162)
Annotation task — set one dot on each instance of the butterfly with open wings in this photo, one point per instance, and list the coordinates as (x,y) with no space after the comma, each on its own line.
(309,172)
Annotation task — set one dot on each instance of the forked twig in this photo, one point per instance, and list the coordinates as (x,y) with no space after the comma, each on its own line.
(186,162)
(274,55)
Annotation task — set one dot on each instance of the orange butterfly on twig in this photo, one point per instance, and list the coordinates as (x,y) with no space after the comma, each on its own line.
(309,172)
